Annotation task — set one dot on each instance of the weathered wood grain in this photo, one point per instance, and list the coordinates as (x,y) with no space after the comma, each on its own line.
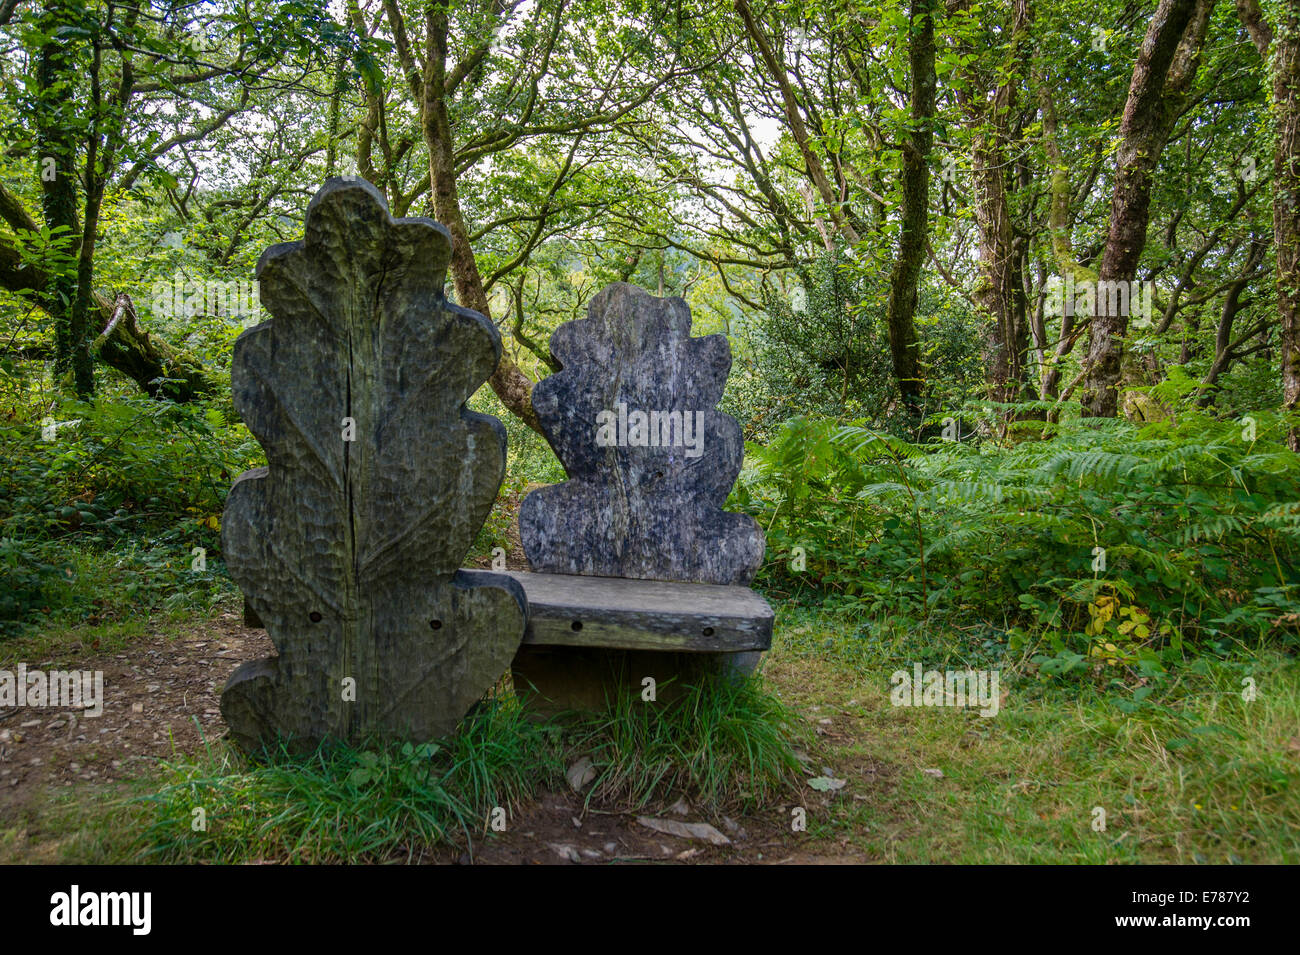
(348,550)
(631,511)
(576,611)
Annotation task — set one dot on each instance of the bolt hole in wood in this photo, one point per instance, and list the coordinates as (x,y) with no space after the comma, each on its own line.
(708,631)
(314,617)
(435,624)
(576,625)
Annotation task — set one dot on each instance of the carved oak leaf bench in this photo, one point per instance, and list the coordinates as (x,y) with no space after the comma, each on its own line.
(348,544)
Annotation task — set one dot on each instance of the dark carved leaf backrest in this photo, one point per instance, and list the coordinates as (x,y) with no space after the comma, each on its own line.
(646,512)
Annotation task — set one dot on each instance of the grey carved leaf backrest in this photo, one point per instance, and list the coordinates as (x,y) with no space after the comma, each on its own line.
(348,543)
(644,496)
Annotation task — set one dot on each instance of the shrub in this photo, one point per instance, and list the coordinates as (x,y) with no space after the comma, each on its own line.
(1102,544)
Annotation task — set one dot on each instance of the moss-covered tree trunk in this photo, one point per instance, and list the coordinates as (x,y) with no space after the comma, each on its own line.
(1165,67)
(915,214)
(1286,204)
(56,163)
(1000,292)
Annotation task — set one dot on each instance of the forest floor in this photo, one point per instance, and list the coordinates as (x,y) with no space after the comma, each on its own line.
(1200,777)
(162,699)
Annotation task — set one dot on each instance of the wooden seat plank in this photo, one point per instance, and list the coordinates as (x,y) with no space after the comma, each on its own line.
(584,611)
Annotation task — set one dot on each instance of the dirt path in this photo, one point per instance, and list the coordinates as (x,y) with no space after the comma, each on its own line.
(161,699)
(555,832)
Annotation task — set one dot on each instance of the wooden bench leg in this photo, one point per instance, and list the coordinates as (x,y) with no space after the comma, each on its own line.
(552,679)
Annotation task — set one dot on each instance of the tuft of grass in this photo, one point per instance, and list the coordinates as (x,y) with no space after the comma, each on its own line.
(381,803)
(722,742)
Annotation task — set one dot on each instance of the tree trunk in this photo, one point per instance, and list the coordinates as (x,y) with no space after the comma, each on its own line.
(1286,185)
(1165,67)
(999,293)
(94,182)
(161,370)
(56,162)
(336,95)
(121,345)
(849,225)
(1286,206)
(512,386)
(1060,191)
(915,215)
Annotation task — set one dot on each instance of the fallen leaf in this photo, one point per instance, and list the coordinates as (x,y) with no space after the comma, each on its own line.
(685,830)
(825,784)
(565,851)
(581,774)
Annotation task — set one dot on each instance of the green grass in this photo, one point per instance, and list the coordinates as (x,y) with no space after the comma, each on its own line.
(724,742)
(63,645)
(1192,773)
(85,585)
(349,804)
(720,744)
